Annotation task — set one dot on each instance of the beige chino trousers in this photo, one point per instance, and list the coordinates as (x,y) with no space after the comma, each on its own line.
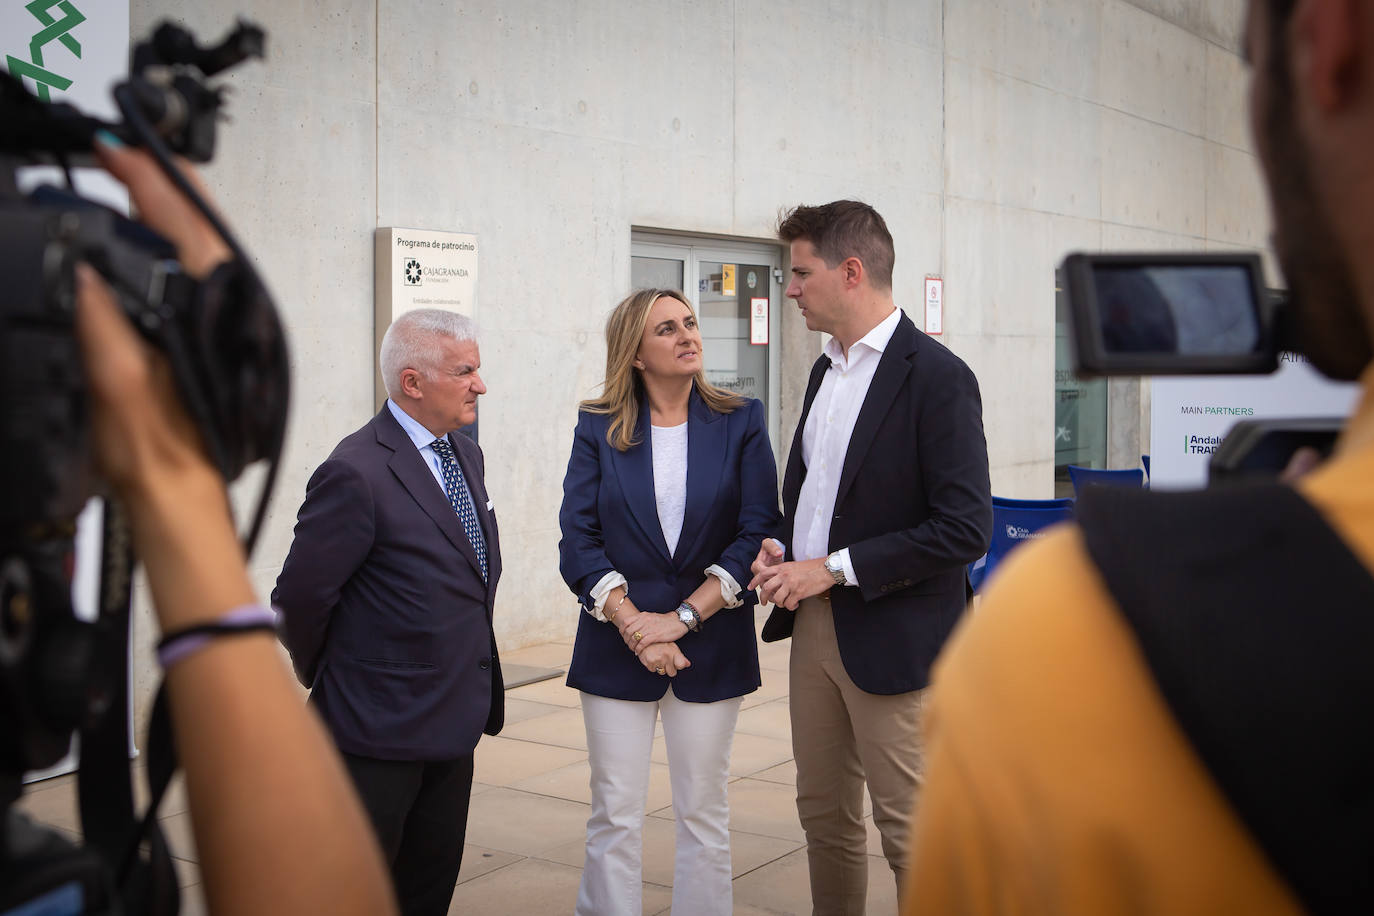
(842,738)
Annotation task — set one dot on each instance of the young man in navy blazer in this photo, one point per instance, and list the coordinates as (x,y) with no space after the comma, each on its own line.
(885,499)
(387,596)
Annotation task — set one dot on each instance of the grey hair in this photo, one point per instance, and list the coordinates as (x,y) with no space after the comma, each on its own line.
(412,342)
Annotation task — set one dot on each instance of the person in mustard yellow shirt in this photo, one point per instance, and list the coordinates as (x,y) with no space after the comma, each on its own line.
(1164,708)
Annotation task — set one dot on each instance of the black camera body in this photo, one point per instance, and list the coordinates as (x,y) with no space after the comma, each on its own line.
(41,239)
(222,338)
(1170,313)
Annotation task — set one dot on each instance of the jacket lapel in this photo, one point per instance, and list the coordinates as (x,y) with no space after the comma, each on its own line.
(412,473)
(792,477)
(634,468)
(706,445)
(893,367)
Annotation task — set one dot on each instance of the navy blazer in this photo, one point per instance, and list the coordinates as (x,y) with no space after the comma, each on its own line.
(610,522)
(913,505)
(383,605)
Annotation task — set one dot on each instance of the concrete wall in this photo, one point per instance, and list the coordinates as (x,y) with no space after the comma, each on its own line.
(1080,125)
(994,135)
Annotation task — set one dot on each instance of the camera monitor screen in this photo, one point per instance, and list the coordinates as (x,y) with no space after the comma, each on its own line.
(1169,314)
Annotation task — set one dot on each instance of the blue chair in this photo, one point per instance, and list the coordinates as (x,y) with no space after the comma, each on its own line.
(1095,477)
(1015,521)
(1006,502)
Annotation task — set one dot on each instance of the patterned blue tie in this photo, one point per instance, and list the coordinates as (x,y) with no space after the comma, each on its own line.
(458,497)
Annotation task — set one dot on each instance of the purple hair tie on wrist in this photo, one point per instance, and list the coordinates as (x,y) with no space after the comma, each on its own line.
(177,645)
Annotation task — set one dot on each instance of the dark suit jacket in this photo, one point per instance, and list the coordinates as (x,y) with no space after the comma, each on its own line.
(914,506)
(610,522)
(384,609)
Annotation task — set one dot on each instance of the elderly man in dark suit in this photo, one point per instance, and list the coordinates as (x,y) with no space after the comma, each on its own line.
(885,499)
(387,599)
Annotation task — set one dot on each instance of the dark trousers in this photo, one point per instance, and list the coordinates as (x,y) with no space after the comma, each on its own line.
(420,812)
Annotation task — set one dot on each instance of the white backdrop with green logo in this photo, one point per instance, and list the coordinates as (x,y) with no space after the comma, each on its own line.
(69,51)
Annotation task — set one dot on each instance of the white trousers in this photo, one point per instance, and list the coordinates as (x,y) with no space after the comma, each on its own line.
(620,735)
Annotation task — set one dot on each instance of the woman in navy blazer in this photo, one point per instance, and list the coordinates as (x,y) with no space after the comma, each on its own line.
(670,490)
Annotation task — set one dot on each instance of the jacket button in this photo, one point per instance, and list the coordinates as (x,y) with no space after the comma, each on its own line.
(484,664)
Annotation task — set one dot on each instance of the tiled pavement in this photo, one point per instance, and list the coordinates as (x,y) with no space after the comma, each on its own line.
(531,800)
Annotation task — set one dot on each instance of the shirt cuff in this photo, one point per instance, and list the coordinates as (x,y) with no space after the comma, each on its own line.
(603,588)
(850,577)
(729,588)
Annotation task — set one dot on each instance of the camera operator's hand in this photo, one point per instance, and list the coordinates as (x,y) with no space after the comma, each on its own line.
(1302,461)
(277,823)
(149,451)
(162,207)
(137,418)
(146,445)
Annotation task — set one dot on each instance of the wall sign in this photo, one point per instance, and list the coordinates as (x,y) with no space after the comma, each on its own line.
(758,322)
(935,305)
(422,269)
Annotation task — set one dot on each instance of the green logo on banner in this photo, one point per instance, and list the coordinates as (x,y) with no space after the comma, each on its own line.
(54,29)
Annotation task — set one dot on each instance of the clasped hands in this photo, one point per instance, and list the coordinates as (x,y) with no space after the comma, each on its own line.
(653,638)
(786,583)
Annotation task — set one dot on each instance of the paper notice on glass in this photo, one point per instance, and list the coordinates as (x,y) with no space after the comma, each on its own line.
(758,322)
(727,279)
(935,305)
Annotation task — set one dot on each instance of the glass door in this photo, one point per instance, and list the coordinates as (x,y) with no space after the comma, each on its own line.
(1080,407)
(730,299)
(656,272)
(736,289)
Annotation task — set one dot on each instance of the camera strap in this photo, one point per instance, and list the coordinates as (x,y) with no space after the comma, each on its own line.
(161,894)
(104,784)
(1252,613)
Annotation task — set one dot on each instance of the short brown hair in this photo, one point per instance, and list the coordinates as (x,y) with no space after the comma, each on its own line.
(844,229)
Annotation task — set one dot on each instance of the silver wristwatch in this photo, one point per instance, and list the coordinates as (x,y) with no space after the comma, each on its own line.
(835,566)
(690,617)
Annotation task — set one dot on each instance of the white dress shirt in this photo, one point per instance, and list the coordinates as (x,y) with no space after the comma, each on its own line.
(424,442)
(825,439)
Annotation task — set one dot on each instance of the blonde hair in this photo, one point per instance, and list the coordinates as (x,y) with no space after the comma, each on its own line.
(622,389)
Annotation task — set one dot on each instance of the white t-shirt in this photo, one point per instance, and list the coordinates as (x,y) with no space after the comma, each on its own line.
(670,479)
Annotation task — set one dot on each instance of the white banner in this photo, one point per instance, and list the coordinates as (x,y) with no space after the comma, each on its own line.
(1190,415)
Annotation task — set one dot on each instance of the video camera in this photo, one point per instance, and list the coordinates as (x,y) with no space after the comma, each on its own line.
(1192,314)
(223,340)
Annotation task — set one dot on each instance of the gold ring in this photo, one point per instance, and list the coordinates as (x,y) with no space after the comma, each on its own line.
(659,669)
(638,636)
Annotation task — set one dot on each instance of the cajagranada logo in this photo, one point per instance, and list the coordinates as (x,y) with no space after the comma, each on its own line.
(54,29)
(414,272)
